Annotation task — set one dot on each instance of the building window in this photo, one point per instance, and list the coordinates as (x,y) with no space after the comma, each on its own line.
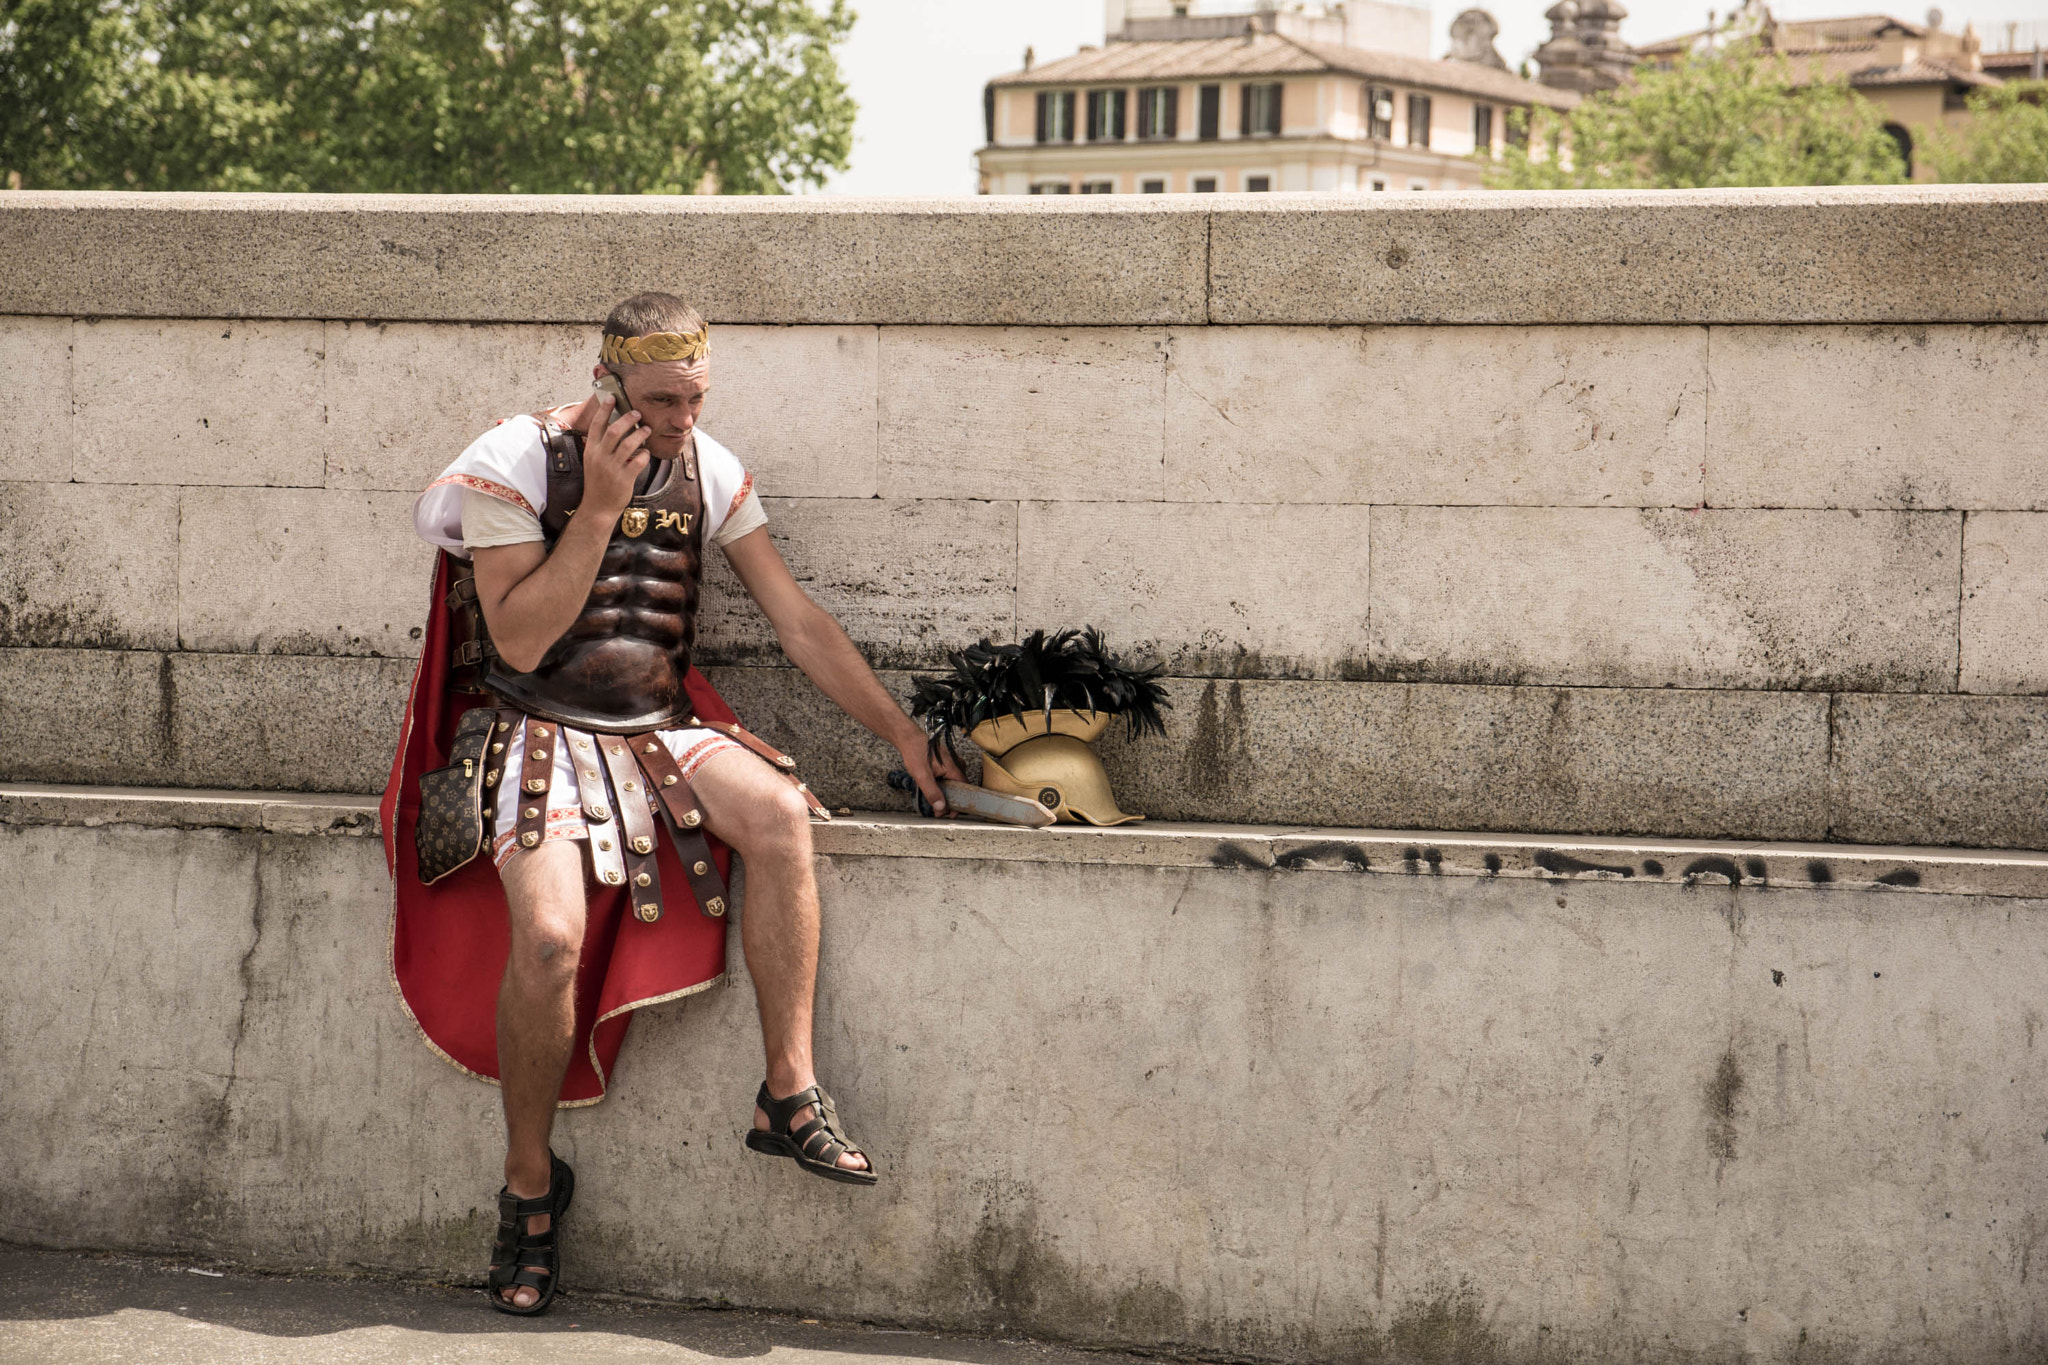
(1106,115)
(1904,139)
(1210,124)
(1482,128)
(1418,184)
(1418,120)
(1153,187)
(1159,112)
(1055,116)
(988,113)
(1205,184)
(1051,187)
(1257,184)
(1259,114)
(1379,183)
(1379,113)
(1098,187)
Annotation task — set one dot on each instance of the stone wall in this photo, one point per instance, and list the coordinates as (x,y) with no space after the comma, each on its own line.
(1697,514)
(1210,1090)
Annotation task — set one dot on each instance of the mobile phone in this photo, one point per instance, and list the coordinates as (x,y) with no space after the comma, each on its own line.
(609,383)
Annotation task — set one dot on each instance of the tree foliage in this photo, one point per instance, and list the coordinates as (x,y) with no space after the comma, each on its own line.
(1736,117)
(532,96)
(2006,141)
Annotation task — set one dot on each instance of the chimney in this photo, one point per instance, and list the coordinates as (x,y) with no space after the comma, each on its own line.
(1030,56)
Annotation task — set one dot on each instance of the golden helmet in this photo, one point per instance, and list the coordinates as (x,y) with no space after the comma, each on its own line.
(1059,772)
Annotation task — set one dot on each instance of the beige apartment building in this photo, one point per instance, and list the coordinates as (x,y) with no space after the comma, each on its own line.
(1181,102)
(1920,74)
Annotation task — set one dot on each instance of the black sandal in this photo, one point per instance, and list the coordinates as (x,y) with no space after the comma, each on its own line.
(530,1260)
(817,1145)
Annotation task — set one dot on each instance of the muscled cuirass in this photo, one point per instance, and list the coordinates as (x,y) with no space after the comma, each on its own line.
(620,666)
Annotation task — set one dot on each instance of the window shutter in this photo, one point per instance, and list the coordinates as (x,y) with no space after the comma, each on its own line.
(988,114)
(1172,128)
(1094,113)
(1067,103)
(1043,96)
(1209,117)
(1273,113)
(1244,111)
(1118,99)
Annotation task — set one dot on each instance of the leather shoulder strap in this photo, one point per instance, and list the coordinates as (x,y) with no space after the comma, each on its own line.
(564,450)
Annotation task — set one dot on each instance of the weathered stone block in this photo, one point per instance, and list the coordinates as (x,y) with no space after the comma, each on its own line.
(1940,770)
(1653,598)
(1023,412)
(198,403)
(543,258)
(301,571)
(1550,416)
(798,406)
(35,393)
(1701,764)
(404,399)
(843,762)
(1205,588)
(86,715)
(1662,256)
(908,580)
(2005,608)
(1905,417)
(88,564)
(278,723)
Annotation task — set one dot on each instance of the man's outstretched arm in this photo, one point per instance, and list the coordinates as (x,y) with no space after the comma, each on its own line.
(817,644)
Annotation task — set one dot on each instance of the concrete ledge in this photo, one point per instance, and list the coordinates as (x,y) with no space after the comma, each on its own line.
(1877,254)
(1258,848)
(1570,1116)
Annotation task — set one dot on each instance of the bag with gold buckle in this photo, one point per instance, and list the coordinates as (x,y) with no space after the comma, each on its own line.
(453,821)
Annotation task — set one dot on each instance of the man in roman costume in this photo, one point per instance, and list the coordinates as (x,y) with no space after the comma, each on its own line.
(555,722)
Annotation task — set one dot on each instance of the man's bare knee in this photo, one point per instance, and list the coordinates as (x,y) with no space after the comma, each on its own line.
(548,945)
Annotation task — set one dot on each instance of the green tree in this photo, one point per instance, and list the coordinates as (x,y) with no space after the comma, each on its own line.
(2006,140)
(533,96)
(1736,117)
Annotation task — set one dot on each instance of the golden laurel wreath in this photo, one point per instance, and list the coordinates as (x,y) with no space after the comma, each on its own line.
(656,346)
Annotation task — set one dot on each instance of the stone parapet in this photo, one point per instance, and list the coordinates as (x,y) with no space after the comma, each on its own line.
(1833,255)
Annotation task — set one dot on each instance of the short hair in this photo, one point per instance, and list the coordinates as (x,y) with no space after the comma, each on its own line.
(652,312)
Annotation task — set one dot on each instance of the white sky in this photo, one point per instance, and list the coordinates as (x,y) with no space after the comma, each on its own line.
(917,66)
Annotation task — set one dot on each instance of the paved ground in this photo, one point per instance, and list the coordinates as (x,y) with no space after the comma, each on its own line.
(58,1309)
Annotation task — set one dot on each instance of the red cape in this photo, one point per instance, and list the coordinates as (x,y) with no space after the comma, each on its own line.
(449,941)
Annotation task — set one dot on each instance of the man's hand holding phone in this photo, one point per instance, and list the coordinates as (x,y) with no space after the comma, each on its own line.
(613,455)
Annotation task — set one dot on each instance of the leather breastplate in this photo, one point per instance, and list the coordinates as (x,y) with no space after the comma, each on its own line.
(620,665)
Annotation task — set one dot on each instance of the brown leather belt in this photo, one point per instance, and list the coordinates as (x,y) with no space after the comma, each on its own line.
(621,780)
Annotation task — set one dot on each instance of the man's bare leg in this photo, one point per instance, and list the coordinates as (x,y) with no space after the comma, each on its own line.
(537,1013)
(756,810)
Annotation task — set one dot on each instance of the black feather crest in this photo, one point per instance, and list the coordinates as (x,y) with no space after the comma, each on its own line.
(1072,669)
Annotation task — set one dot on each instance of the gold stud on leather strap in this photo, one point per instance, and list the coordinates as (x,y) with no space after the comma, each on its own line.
(701,868)
(649,913)
(540,754)
(600,813)
(648,750)
(643,880)
(536,784)
(785,760)
(504,725)
(605,845)
(611,875)
(691,819)
(492,777)
(532,812)
(643,844)
(669,781)
(529,838)
(499,747)
(715,906)
(632,787)
(540,732)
